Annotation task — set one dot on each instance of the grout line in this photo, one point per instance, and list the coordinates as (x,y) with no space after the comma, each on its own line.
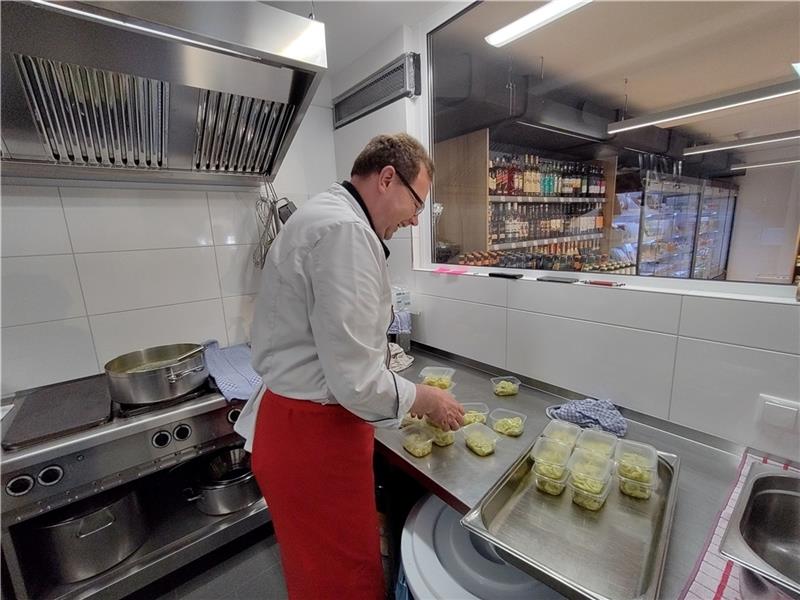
(38,255)
(675,362)
(219,276)
(80,283)
(197,247)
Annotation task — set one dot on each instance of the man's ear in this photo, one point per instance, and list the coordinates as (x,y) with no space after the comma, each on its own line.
(385,177)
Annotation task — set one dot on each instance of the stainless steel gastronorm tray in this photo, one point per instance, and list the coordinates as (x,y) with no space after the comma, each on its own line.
(615,553)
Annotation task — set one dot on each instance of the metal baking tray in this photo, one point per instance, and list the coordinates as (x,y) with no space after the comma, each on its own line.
(615,553)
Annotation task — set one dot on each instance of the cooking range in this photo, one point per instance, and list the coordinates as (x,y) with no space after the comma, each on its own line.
(68,446)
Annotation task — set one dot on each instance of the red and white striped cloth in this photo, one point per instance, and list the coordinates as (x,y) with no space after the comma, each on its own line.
(715,577)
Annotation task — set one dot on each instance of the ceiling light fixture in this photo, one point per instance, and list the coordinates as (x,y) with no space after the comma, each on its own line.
(764,164)
(561,131)
(555,9)
(701,108)
(743,143)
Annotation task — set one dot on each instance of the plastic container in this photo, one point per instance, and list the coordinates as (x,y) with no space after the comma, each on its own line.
(507,422)
(480,439)
(417,440)
(441,377)
(635,489)
(475,412)
(589,478)
(561,431)
(505,386)
(441,437)
(586,499)
(550,458)
(548,485)
(599,442)
(636,462)
(409,419)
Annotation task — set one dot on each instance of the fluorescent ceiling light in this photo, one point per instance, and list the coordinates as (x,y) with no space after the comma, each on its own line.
(764,164)
(744,143)
(561,131)
(701,108)
(796,67)
(555,9)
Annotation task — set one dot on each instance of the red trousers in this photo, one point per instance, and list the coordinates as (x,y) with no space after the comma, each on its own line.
(313,464)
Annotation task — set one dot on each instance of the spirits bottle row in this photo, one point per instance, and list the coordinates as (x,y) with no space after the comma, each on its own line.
(511,222)
(528,175)
(572,256)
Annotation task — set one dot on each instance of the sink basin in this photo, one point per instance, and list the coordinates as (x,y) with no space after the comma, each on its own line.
(763,534)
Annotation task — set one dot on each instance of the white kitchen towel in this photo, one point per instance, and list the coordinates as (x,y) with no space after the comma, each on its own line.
(714,576)
(231,369)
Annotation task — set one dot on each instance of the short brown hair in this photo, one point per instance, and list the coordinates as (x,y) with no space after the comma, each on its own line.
(400,150)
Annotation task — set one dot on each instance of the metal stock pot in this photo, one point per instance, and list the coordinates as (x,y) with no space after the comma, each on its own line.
(156,374)
(224,483)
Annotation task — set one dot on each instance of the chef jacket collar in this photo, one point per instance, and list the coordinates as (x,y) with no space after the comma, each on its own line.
(354,193)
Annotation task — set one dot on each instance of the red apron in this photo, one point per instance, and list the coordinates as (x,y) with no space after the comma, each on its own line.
(313,463)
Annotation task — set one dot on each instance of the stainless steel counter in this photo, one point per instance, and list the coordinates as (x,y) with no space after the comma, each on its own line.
(460,478)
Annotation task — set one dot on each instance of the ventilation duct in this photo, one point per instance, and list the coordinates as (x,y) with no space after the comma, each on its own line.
(399,79)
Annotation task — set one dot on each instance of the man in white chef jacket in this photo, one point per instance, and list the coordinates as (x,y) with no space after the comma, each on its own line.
(319,342)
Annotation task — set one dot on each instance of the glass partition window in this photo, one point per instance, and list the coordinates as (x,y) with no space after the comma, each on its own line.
(528,177)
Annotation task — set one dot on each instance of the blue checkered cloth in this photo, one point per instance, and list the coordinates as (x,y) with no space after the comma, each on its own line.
(596,414)
(230,367)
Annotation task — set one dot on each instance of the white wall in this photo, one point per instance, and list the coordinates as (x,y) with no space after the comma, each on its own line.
(765,227)
(92,272)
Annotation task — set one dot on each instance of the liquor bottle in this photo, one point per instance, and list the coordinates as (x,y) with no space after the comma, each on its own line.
(602,185)
(536,188)
(492,179)
(584,181)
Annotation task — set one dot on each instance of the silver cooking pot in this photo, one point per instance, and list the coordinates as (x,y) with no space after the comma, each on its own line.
(156,374)
(224,483)
(89,537)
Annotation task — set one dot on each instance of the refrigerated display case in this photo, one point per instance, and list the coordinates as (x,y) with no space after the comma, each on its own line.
(668,225)
(714,226)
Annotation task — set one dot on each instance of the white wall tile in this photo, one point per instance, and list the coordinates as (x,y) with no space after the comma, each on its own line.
(40,288)
(717,387)
(755,324)
(239,317)
(484,290)
(102,219)
(400,266)
(309,164)
(114,281)
(630,367)
(33,221)
(615,306)
(476,331)
(238,275)
(44,353)
(233,217)
(194,322)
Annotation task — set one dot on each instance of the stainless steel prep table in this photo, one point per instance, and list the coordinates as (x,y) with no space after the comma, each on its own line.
(708,465)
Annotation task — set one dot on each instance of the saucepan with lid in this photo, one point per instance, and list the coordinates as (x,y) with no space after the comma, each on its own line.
(156,374)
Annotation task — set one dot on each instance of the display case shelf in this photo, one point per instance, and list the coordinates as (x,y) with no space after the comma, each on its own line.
(546,241)
(549,199)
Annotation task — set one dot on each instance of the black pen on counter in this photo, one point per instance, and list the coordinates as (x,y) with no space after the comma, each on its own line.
(602,282)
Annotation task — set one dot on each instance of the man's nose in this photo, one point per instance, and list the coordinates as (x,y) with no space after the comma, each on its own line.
(414,220)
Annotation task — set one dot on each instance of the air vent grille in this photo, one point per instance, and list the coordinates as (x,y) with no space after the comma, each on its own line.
(398,79)
(93,117)
(236,134)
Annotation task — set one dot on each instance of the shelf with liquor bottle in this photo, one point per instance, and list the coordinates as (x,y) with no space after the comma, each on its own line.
(714,226)
(498,203)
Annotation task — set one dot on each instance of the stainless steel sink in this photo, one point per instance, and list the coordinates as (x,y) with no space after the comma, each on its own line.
(763,534)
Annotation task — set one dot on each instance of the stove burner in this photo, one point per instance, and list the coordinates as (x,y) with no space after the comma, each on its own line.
(125,411)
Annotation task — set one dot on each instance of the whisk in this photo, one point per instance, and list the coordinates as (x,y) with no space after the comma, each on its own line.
(269,223)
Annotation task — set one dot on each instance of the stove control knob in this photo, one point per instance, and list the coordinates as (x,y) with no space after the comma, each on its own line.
(182,432)
(161,439)
(233,414)
(50,475)
(20,485)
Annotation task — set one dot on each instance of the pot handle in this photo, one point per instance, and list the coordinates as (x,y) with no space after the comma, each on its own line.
(173,377)
(190,495)
(110,519)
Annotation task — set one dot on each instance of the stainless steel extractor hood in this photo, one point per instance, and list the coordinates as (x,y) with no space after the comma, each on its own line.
(180,91)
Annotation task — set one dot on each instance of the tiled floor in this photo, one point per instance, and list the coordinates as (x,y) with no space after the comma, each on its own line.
(246,569)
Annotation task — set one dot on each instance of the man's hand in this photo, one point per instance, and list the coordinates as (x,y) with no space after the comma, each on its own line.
(441,408)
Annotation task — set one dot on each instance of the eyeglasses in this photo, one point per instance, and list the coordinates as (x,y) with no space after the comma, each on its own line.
(420,202)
